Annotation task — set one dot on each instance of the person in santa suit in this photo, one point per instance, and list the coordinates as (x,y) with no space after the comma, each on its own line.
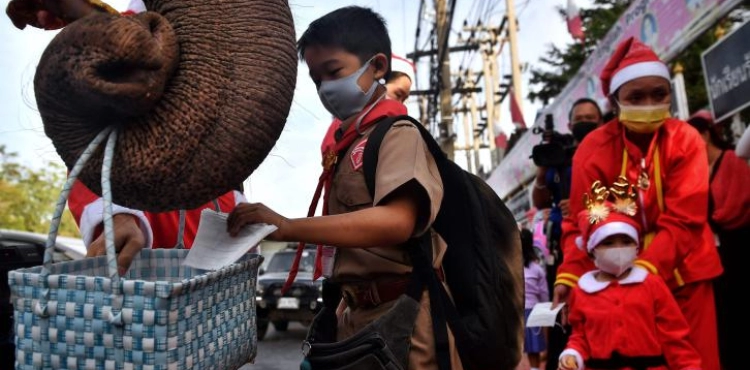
(666,159)
(134,229)
(622,317)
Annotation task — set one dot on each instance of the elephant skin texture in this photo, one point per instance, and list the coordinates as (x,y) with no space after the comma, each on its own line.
(198,91)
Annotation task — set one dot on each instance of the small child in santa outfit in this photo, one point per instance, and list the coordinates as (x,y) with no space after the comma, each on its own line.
(622,316)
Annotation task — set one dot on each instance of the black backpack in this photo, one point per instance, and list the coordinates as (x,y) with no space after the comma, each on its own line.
(483,264)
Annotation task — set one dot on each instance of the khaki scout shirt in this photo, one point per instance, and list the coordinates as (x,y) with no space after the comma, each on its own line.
(403,156)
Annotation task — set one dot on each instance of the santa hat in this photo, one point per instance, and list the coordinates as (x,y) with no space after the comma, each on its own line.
(403,65)
(615,223)
(603,218)
(631,60)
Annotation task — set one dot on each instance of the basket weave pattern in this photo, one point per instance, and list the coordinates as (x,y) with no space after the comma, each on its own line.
(173,317)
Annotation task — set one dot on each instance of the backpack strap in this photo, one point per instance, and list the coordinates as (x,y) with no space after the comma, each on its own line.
(424,274)
(372,148)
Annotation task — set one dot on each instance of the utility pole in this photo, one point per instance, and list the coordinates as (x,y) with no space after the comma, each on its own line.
(513,40)
(476,133)
(445,126)
(490,46)
(467,132)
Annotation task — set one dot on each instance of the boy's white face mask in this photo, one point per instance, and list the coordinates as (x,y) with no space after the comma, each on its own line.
(343,97)
(615,260)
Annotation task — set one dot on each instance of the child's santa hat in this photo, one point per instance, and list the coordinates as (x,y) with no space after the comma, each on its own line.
(632,59)
(403,65)
(603,218)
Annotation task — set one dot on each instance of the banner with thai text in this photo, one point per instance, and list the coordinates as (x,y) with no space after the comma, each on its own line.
(726,70)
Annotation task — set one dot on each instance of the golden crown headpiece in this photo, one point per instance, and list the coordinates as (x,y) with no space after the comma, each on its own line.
(597,199)
(625,194)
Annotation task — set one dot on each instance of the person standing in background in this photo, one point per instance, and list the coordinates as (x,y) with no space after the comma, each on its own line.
(535,279)
(728,215)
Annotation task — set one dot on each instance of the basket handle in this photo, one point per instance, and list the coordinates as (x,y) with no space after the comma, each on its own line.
(111,134)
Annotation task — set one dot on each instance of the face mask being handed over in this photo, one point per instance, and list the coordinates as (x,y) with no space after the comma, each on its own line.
(615,260)
(644,119)
(343,97)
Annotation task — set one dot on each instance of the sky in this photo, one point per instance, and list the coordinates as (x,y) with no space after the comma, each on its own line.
(286,180)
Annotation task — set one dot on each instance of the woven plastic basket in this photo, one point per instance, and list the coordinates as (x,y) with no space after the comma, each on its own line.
(159,315)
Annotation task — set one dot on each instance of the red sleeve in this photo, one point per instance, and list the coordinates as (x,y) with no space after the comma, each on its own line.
(679,227)
(80,196)
(671,328)
(729,192)
(575,261)
(577,340)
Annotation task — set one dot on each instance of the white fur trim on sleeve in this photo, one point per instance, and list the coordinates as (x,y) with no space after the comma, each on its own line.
(638,70)
(574,353)
(137,6)
(239,197)
(93,216)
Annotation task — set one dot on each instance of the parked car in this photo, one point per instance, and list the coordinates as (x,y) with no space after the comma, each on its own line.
(20,249)
(300,303)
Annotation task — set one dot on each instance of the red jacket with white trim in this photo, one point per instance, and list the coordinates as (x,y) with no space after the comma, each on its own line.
(683,249)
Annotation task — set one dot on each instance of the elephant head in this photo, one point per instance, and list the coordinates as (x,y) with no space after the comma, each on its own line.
(199,92)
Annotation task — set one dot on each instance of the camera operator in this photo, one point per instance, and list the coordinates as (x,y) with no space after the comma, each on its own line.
(551,190)
(584,117)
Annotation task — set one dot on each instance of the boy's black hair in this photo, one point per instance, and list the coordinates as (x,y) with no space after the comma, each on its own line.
(357,30)
(581,101)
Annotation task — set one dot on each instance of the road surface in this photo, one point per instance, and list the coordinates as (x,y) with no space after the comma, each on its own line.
(281,350)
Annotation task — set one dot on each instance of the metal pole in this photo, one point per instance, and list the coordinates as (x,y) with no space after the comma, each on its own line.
(475,119)
(512,39)
(446,106)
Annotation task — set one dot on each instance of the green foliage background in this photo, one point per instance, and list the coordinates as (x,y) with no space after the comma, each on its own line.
(28,196)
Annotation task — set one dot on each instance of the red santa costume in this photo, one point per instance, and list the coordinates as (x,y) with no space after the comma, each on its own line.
(632,322)
(159,229)
(673,200)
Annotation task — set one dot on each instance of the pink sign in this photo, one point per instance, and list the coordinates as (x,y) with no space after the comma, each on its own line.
(668,26)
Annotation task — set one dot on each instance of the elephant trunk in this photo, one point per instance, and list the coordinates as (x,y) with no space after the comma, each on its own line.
(200,92)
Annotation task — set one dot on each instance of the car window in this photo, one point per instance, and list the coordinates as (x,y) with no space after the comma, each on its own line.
(282,262)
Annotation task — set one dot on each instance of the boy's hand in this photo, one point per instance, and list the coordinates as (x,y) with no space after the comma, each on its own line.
(568,362)
(256,213)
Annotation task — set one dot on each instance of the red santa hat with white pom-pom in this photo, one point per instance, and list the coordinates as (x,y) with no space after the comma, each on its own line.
(632,59)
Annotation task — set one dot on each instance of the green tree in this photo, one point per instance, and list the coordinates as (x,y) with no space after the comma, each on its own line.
(28,196)
(561,64)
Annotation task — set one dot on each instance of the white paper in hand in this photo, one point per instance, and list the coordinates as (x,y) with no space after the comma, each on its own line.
(214,248)
(543,315)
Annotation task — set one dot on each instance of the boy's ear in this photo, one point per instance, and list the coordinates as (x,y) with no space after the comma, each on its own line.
(380,62)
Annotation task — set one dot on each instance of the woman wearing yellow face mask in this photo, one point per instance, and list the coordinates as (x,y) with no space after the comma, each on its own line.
(666,159)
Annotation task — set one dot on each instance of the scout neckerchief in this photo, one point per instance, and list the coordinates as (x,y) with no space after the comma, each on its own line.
(643,184)
(378,110)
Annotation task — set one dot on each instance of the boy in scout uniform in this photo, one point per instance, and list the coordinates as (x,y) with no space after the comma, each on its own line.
(348,52)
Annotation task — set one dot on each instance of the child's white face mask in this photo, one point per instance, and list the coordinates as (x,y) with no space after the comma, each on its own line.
(615,260)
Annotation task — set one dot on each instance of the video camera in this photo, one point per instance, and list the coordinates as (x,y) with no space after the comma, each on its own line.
(556,149)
